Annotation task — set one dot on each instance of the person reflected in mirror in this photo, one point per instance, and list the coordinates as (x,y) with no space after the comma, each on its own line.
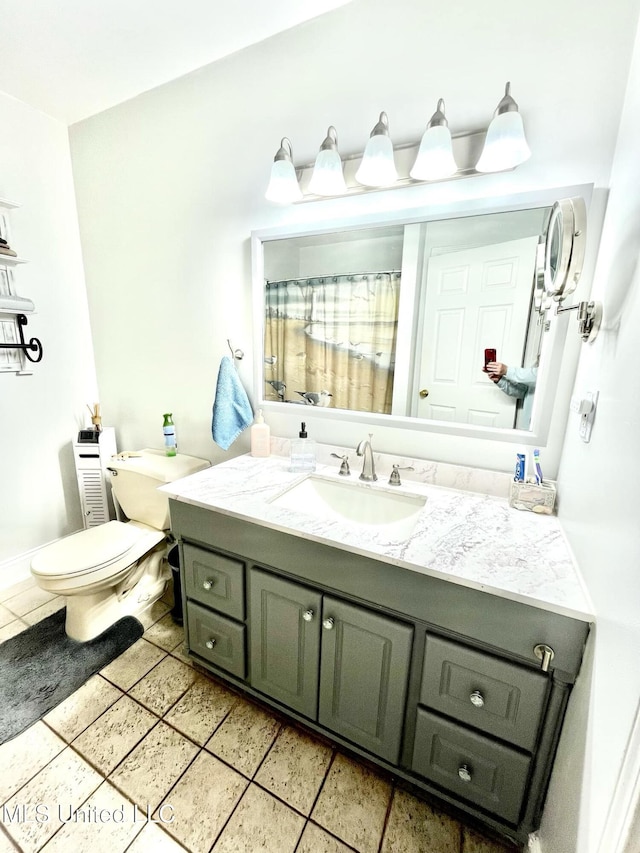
(518,382)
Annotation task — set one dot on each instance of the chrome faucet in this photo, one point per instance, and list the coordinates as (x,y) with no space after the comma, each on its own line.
(368,465)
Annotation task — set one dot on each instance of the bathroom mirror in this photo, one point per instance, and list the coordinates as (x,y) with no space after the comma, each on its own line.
(391,319)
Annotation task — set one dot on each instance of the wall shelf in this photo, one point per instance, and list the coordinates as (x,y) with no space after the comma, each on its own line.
(14,349)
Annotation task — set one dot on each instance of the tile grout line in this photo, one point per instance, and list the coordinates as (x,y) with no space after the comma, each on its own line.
(387,815)
(15,845)
(230,815)
(317,796)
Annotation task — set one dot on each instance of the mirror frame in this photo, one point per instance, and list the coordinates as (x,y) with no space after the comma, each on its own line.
(551,353)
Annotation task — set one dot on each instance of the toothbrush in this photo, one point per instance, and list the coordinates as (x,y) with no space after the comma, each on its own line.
(536,462)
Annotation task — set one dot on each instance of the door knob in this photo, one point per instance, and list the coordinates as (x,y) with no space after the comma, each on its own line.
(423,393)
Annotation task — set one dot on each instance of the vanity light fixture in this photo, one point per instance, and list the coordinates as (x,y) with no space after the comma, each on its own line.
(435,159)
(283,187)
(327,178)
(378,168)
(505,146)
(439,157)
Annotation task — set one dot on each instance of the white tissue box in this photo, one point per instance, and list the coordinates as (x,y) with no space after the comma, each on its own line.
(534,497)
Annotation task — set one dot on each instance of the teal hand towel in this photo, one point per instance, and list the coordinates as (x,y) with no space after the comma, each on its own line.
(232,412)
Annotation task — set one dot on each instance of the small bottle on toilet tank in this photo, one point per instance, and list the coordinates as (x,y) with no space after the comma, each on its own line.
(169,430)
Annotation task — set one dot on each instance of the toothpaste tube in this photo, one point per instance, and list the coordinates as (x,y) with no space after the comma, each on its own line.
(520,465)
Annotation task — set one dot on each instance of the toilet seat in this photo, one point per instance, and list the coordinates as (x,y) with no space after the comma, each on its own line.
(93,550)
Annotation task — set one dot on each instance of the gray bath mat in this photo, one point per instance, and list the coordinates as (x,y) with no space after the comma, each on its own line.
(41,667)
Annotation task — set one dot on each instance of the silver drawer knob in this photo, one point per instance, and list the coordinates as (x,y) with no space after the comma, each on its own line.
(464,773)
(307,615)
(207,584)
(328,623)
(210,643)
(477,699)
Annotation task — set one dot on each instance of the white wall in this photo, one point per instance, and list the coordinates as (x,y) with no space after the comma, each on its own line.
(171,184)
(600,512)
(39,414)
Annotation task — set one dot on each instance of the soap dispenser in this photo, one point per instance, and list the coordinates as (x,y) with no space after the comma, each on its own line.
(303,452)
(260,437)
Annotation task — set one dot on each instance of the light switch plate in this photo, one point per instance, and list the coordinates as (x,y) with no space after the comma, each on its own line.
(586,419)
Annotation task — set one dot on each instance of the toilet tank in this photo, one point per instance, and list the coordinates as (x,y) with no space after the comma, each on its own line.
(136,475)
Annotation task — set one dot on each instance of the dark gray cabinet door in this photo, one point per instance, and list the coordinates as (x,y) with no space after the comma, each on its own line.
(285,641)
(363,676)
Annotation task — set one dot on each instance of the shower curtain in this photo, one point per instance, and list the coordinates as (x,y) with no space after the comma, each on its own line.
(332,339)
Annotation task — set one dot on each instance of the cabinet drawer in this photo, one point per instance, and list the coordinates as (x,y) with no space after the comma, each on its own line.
(227,639)
(214,580)
(494,695)
(469,765)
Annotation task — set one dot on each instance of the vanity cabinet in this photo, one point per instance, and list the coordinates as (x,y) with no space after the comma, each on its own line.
(342,665)
(438,683)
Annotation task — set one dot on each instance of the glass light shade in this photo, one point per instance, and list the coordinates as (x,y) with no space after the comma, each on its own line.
(327,178)
(377,168)
(435,156)
(505,146)
(283,187)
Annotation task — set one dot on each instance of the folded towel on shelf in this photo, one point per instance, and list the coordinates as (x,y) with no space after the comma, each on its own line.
(232,410)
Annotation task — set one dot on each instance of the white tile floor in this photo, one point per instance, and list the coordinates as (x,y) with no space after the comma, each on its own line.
(153,756)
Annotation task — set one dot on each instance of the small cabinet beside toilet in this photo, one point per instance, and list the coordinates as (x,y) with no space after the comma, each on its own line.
(92,452)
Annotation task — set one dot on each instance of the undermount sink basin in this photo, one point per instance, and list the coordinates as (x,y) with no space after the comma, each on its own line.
(394,514)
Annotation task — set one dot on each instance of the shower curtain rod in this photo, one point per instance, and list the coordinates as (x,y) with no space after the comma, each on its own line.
(309,278)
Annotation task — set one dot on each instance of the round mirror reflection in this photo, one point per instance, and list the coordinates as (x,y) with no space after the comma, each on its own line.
(564,250)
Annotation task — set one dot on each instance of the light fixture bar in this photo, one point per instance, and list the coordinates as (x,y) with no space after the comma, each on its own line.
(467,148)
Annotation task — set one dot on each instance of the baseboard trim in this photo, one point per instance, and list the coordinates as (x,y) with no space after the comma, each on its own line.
(17,569)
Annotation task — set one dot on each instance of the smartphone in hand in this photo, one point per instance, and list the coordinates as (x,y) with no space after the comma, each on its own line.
(489,355)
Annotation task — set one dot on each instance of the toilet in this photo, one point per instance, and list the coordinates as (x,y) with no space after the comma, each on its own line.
(119,568)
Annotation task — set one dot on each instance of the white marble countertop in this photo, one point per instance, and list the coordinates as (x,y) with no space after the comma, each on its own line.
(472,539)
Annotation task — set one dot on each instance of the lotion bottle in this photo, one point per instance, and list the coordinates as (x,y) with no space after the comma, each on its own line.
(260,437)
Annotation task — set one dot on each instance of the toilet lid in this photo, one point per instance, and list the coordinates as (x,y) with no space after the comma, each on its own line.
(87,550)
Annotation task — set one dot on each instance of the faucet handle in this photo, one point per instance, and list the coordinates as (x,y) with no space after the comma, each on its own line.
(394,479)
(344,467)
